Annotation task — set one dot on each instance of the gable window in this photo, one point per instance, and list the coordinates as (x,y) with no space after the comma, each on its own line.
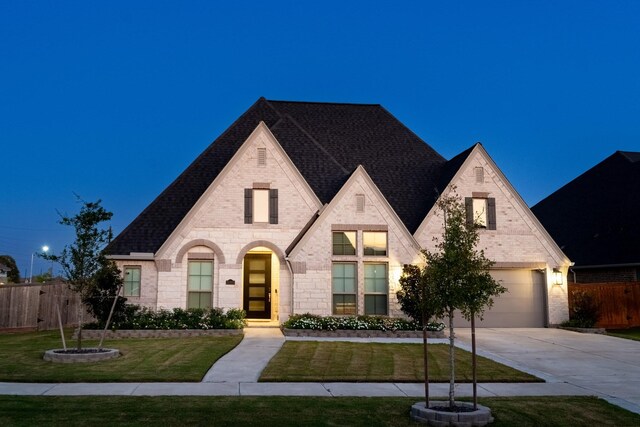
(200,284)
(344,242)
(260,206)
(479,174)
(376,289)
(374,243)
(131,282)
(343,278)
(481,211)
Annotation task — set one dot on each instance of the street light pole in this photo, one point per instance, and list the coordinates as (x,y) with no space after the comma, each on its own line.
(45,248)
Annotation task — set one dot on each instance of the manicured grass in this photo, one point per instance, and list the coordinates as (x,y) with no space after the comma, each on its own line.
(631,333)
(292,411)
(168,359)
(374,362)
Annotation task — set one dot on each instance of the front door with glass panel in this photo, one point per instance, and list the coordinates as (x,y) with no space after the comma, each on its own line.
(257,286)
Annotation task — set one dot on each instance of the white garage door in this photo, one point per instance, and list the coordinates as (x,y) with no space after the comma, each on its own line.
(523,306)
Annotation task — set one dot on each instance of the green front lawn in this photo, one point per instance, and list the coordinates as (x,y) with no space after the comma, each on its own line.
(292,411)
(326,361)
(631,333)
(147,360)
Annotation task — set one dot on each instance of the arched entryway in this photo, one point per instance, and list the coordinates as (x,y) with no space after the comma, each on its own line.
(261,280)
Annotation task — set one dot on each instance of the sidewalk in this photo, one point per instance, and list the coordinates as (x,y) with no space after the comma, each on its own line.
(237,373)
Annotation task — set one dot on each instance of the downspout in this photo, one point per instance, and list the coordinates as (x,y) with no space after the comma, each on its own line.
(573,272)
(286,258)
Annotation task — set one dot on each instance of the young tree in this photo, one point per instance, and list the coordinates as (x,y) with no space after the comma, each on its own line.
(458,273)
(83,259)
(100,298)
(418,302)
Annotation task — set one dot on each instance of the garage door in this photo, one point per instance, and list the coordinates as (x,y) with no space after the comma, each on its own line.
(523,306)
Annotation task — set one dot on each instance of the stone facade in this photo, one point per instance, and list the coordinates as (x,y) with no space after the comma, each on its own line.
(518,241)
(215,229)
(313,289)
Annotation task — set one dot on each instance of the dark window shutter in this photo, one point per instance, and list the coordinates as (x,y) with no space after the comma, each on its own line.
(248,205)
(468,205)
(273,206)
(491,214)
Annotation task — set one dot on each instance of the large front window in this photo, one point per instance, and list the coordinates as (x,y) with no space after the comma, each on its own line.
(200,284)
(344,242)
(132,281)
(344,288)
(374,243)
(376,289)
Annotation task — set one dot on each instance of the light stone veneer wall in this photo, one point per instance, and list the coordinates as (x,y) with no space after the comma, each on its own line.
(517,238)
(216,226)
(148,282)
(217,222)
(313,290)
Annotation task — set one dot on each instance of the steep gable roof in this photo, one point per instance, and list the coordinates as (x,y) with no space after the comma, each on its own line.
(326,142)
(594,218)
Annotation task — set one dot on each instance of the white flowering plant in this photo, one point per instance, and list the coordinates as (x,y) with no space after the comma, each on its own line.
(378,323)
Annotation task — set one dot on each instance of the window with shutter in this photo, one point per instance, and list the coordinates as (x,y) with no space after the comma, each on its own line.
(248,205)
(260,205)
(481,212)
(273,206)
(491,213)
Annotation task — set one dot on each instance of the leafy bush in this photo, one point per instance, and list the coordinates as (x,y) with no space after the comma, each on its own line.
(585,310)
(178,318)
(378,323)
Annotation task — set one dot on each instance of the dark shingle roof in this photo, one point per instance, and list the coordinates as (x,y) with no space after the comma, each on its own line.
(594,218)
(326,142)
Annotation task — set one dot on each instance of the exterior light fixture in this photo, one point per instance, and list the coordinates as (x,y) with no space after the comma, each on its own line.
(557,277)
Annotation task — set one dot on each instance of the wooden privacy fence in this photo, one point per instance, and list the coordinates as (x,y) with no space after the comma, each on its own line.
(33,307)
(619,302)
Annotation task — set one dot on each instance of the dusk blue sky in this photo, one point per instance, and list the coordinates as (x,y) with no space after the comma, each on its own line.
(112,100)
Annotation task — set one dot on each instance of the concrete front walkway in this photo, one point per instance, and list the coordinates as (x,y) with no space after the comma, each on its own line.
(245,362)
(601,365)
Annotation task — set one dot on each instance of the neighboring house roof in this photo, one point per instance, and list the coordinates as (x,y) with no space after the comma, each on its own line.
(326,142)
(594,218)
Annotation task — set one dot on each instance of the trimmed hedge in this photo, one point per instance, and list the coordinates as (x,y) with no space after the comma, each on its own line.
(178,318)
(376,323)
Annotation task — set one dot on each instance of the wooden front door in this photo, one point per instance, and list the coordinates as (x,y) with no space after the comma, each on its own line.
(257,286)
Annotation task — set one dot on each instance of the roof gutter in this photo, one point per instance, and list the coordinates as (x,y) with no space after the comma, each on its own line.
(583,267)
(134,256)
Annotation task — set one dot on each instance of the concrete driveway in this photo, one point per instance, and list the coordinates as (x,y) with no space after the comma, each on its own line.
(607,366)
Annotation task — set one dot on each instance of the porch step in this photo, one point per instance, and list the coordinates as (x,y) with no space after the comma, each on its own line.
(259,323)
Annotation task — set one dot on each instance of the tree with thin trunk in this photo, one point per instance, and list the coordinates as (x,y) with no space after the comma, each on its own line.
(417,301)
(458,273)
(83,259)
(481,288)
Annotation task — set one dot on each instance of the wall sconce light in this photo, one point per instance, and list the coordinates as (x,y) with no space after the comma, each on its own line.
(557,277)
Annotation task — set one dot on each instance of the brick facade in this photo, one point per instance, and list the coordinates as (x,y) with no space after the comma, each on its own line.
(518,240)
(215,228)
